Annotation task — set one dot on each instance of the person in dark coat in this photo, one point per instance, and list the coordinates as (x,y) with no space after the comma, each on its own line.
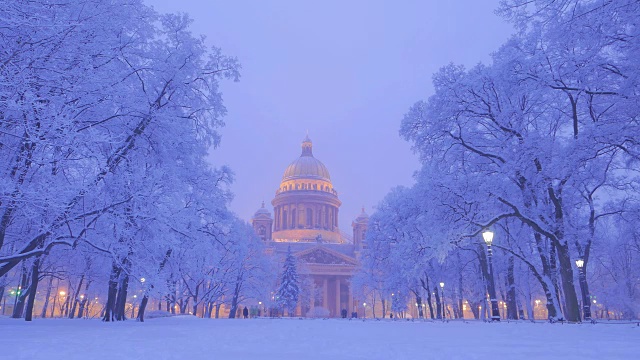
(245,312)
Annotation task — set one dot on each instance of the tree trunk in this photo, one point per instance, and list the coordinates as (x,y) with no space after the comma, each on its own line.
(234,300)
(474,307)
(218,310)
(35,273)
(65,306)
(82,307)
(141,309)
(195,300)
(425,286)
(121,299)
(184,304)
(460,296)
(21,295)
(512,307)
(206,310)
(72,313)
(43,314)
(438,305)
(455,304)
(546,279)
(566,274)
(55,299)
(210,310)
(111,293)
(84,304)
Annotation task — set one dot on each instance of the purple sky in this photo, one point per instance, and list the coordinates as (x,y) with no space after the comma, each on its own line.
(346,71)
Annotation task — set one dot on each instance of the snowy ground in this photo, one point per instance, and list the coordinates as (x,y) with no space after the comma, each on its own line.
(191,338)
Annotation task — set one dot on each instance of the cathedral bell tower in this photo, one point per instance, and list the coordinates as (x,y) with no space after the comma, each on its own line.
(262,223)
(360,225)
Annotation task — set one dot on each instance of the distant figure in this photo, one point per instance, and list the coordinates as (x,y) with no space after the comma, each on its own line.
(354,315)
(245,312)
(344,313)
(390,315)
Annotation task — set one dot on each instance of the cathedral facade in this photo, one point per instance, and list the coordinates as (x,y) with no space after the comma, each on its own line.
(305,219)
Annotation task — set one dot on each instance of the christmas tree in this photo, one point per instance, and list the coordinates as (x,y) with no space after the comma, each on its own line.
(289,291)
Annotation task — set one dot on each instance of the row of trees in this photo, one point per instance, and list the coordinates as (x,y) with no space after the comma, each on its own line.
(107,111)
(542,146)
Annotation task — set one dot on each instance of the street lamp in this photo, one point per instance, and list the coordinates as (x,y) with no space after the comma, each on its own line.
(444,316)
(586,304)
(487,235)
(364,311)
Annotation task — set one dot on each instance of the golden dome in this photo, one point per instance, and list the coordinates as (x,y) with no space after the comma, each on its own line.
(306,166)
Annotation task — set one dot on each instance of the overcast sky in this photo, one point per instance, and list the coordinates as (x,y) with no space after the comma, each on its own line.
(346,71)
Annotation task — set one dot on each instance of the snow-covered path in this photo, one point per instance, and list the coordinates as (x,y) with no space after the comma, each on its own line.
(191,338)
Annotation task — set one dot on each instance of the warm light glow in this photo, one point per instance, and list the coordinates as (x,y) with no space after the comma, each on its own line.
(259,302)
(442,285)
(62,293)
(594,301)
(580,263)
(537,302)
(487,235)
(364,304)
(135,296)
(81,297)
(142,280)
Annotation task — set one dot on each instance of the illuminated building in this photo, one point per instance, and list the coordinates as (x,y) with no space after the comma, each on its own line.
(306,208)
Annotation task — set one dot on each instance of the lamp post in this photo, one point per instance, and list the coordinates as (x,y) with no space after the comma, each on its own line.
(444,315)
(487,235)
(586,304)
(364,310)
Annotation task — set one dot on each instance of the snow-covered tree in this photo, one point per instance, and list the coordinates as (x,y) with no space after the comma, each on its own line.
(540,146)
(289,290)
(107,111)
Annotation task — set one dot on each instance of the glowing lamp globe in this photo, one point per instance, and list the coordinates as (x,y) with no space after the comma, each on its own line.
(487,235)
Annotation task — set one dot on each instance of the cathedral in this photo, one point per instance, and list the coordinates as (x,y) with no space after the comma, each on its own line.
(305,218)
